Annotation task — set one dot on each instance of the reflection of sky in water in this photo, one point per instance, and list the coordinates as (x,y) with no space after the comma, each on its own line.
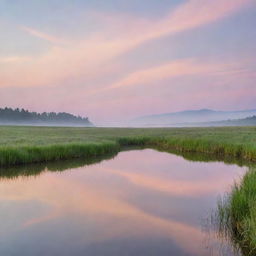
(140,203)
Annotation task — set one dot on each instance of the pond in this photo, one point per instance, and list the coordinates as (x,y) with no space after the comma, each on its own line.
(141,202)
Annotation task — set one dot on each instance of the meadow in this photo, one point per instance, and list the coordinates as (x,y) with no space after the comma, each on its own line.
(24,145)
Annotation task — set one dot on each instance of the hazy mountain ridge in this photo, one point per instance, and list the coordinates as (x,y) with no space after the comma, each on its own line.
(192,117)
(9,116)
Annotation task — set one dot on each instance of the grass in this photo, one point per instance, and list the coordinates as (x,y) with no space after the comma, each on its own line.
(24,145)
(36,154)
(237,214)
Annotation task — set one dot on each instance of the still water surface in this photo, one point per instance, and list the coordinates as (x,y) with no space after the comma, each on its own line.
(142,202)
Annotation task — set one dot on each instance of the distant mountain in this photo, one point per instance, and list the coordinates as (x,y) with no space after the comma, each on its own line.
(9,116)
(189,117)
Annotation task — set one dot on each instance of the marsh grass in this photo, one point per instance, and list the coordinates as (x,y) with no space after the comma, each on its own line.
(236,214)
(36,154)
(24,145)
(218,148)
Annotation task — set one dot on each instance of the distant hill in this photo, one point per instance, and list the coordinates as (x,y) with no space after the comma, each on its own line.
(9,116)
(186,118)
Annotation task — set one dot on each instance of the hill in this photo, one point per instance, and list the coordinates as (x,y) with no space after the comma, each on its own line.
(9,116)
(191,117)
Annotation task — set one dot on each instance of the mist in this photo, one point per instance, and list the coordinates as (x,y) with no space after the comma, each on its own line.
(194,118)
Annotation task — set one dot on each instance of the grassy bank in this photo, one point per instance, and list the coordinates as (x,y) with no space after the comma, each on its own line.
(23,145)
(237,214)
(38,154)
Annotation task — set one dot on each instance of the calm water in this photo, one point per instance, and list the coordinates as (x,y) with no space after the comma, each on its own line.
(142,202)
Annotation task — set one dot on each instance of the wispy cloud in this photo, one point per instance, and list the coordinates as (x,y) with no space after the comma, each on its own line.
(12,59)
(173,69)
(192,14)
(44,36)
(166,71)
(87,57)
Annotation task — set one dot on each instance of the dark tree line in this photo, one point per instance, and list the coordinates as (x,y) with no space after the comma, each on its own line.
(9,115)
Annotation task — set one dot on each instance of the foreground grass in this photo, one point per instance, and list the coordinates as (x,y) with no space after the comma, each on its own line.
(237,214)
(23,145)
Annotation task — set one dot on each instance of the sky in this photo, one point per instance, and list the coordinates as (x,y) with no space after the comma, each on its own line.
(115,60)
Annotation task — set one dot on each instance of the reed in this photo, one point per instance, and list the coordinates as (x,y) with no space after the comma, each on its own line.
(40,154)
(236,214)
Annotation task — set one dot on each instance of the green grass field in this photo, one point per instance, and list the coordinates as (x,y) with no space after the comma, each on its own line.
(21,145)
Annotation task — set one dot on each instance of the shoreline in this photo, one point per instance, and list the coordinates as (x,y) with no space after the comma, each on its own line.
(20,155)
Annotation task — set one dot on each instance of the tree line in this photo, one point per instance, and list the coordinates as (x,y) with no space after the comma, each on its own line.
(9,115)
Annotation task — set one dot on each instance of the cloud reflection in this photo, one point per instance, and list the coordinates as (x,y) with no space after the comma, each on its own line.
(96,196)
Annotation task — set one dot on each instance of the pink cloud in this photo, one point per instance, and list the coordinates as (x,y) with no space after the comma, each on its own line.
(42,35)
(88,57)
(93,70)
(173,69)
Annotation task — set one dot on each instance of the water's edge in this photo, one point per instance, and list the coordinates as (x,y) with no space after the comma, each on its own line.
(14,156)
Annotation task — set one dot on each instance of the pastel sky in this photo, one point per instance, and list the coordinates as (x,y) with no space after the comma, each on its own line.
(114,60)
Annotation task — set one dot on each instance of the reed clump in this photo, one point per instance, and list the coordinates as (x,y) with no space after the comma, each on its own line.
(40,154)
(241,151)
(236,214)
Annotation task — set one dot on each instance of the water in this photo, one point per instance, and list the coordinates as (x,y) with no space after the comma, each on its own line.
(141,202)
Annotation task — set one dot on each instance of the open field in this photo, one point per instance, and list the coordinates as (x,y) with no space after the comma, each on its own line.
(21,145)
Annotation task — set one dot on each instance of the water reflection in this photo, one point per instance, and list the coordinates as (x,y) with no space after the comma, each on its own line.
(142,202)
(233,219)
(54,166)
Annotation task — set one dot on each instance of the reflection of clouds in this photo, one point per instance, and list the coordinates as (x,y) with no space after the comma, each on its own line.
(52,215)
(170,166)
(172,174)
(86,200)
(89,195)
(175,187)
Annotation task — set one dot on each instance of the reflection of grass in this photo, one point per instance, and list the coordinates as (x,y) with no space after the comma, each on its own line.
(55,166)
(202,157)
(237,214)
(23,145)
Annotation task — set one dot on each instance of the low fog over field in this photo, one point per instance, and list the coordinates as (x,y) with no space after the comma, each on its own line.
(202,117)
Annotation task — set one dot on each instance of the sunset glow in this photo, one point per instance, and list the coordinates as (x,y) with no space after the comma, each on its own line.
(115,61)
